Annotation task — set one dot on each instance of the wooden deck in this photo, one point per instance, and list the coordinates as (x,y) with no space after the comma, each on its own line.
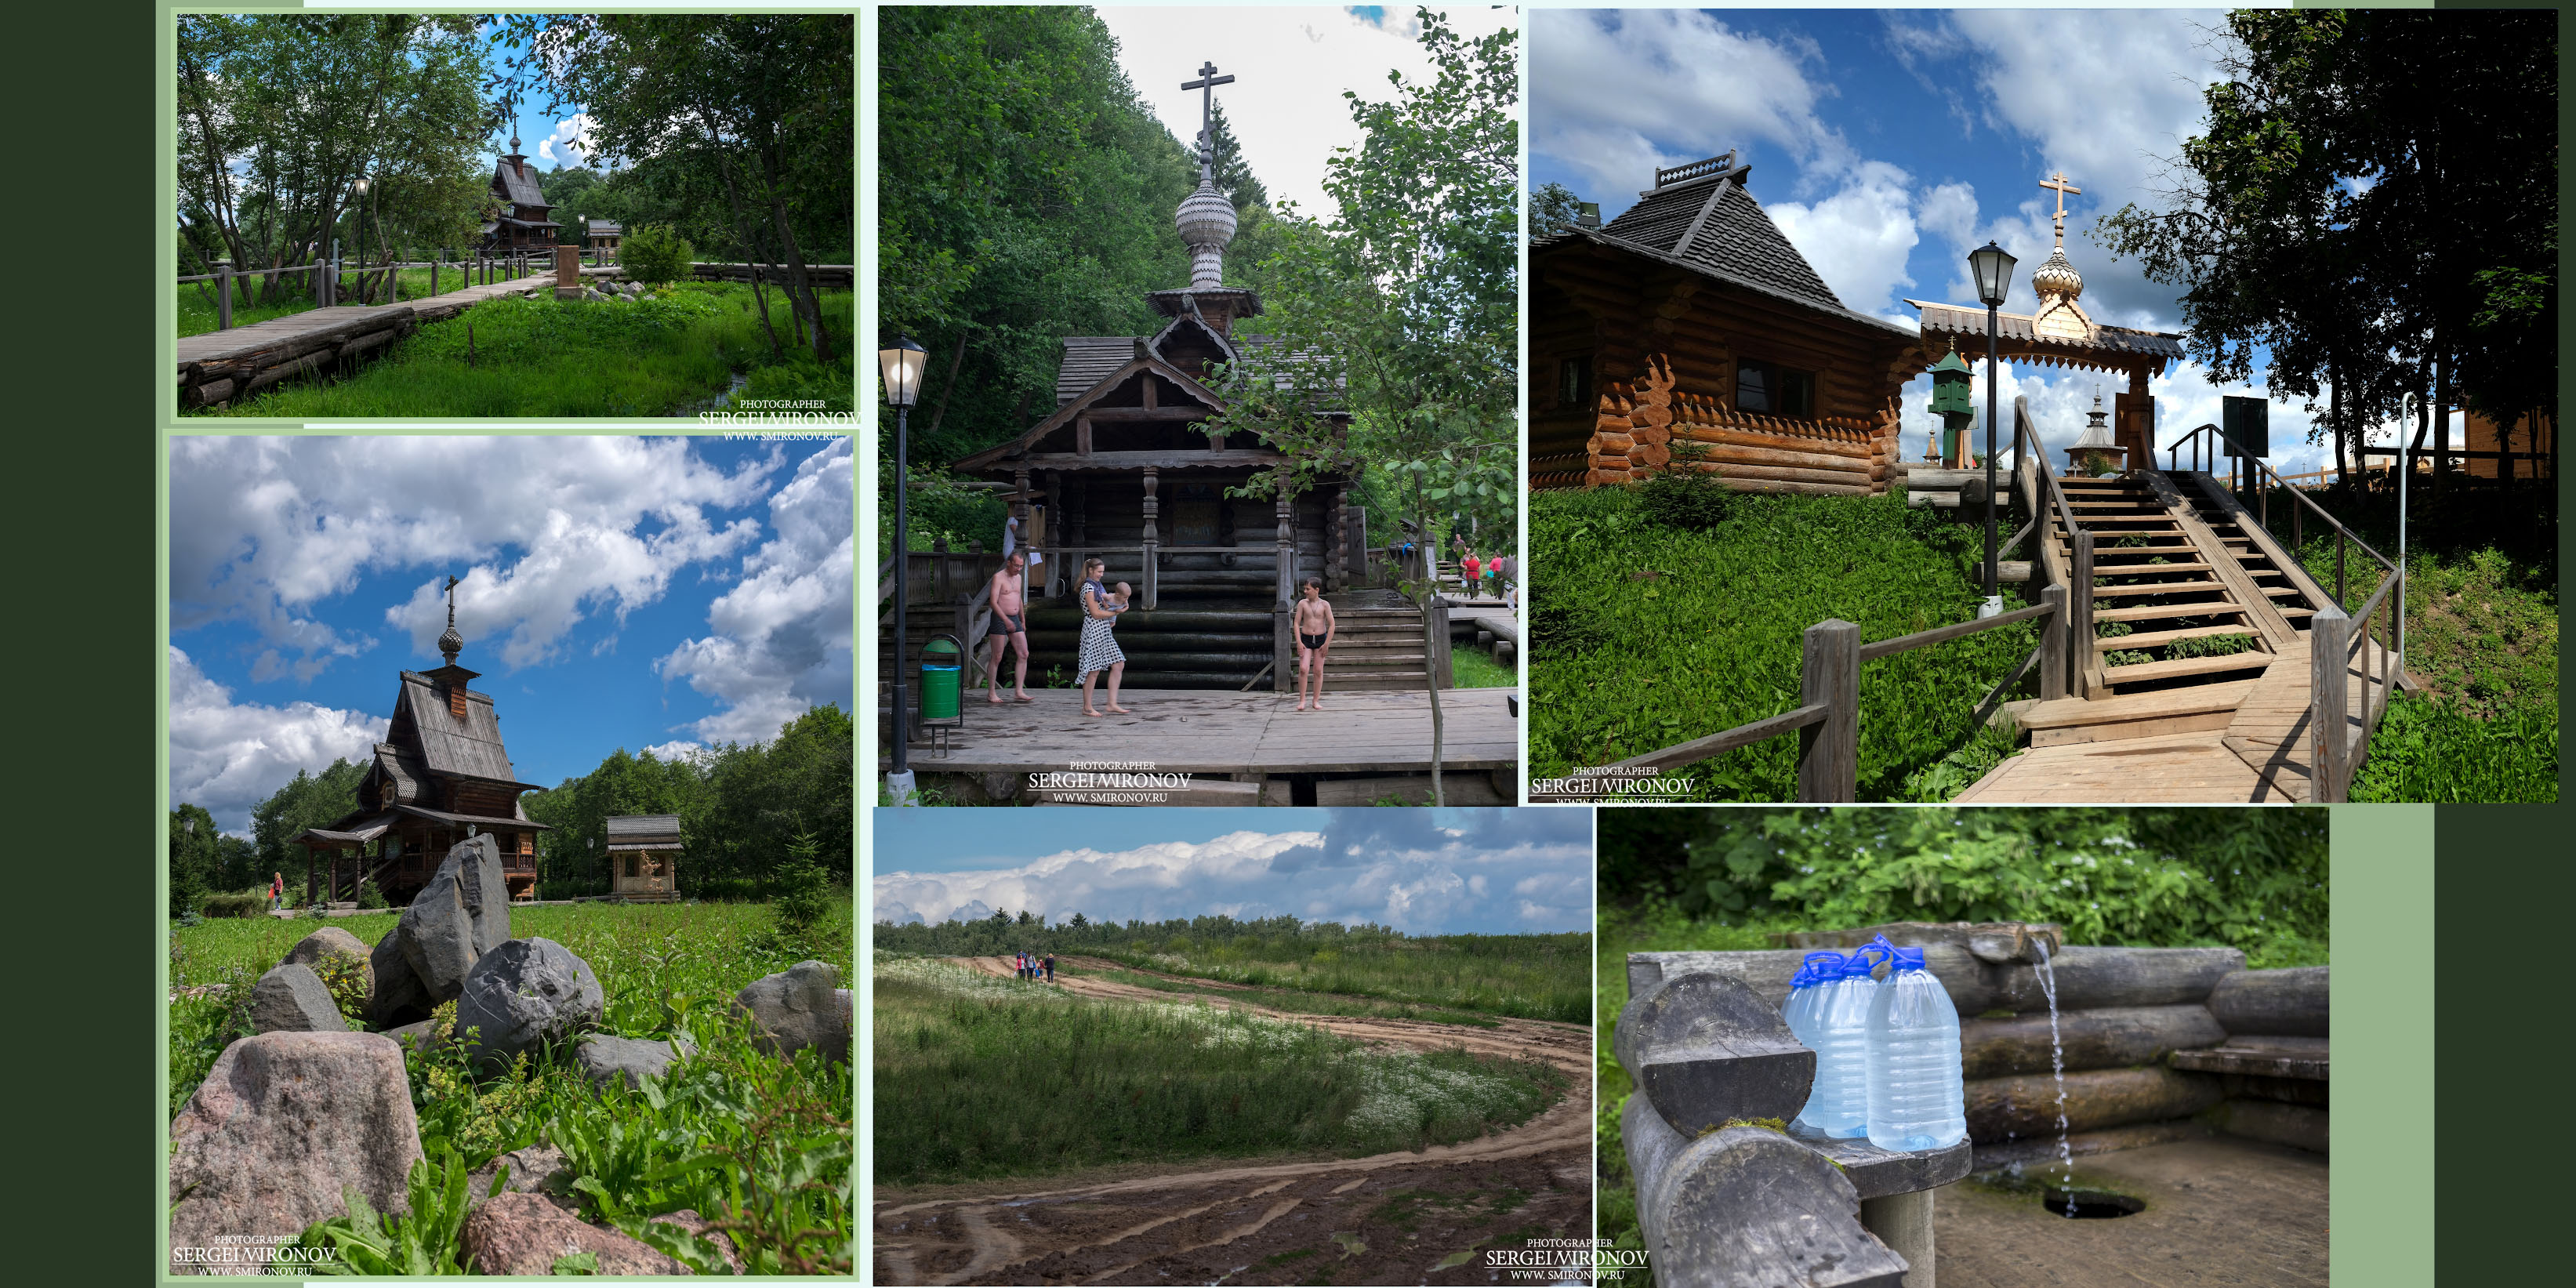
(260,337)
(1246,737)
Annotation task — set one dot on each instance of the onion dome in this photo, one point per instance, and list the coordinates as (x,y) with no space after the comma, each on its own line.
(1206,222)
(451,644)
(2057,277)
(2096,432)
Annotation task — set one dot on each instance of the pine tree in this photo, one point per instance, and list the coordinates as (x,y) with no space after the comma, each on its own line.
(1233,173)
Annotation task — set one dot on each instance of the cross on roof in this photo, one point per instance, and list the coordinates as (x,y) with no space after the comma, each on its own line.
(1206,86)
(2058,182)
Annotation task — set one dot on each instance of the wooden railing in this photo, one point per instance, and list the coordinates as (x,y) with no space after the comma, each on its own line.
(2042,496)
(2332,641)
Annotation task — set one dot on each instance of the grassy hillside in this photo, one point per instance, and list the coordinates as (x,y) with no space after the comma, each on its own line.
(1645,635)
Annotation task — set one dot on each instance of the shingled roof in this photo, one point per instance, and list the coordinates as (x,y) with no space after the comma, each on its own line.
(644,832)
(516,186)
(449,747)
(2112,341)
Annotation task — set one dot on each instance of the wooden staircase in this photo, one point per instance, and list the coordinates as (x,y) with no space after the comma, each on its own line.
(1374,649)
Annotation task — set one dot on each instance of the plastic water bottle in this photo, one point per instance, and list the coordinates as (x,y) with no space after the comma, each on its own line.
(1838,1105)
(1799,1011)
(1916,1100)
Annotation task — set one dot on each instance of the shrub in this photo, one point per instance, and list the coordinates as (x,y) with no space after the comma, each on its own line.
(1688,497)
(369,896)
(237,904)
(656,255)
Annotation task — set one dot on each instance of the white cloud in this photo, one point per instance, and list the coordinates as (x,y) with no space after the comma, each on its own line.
(782,638)
(2059,399)
(228,757)
(264,529)
(1609,92)
(680,750)
(1858,238)
(570,145)
(1514,873)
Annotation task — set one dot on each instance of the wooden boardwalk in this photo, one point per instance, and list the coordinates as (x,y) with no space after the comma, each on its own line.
(220,366)
(1245,737)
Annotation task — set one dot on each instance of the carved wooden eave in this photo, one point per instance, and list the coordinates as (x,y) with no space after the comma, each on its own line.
(2049,339)
(1145,363)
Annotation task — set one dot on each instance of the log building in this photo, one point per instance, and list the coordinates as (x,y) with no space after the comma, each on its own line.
(644,857)
(1690,318)
(521,218)
(440,776)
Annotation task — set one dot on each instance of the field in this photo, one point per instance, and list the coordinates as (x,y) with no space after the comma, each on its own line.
(1645,635)
(674,354)
(1155,1123)
(1474,668)
(732,1125)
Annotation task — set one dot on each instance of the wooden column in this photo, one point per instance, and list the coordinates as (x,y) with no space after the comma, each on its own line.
(1336,571)
(2080,651)
(1046,546)
(2329,698)
(1829,750)
(2054,635)
(1284,541)
(1153,541)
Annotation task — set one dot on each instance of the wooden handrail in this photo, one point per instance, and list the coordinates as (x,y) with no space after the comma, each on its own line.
(2301,497)
(1955,630)
(1745,735)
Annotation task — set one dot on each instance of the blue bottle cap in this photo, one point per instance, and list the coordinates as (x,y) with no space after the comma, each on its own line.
(1909,959)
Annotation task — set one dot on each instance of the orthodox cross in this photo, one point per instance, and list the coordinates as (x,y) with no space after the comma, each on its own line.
(452,579)
(1206,86)
(2058,182)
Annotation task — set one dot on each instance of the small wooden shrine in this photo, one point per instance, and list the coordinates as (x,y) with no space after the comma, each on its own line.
(440,776)
(521,219)
(1689,328)
(604,236)
(2061,334)
(1120,470)
(644,857)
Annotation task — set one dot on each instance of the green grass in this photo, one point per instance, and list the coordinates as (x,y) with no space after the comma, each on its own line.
(977,1077)
(1286,999)
(2431,749)
(1474,668)
(197,314)
(1643,636)
(667,355)
(1540,977)
(766,1141)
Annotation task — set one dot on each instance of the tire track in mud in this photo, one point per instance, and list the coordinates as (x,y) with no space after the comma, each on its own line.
(1388,1218)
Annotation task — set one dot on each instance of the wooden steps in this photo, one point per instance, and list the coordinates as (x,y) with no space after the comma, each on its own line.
(2067,721)
(2151,612)
(2142,672)
(2161,588)
(2177,768)
(2152,639)
(2147,569)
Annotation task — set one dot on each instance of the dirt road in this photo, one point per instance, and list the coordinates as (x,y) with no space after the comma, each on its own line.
(1404,1218)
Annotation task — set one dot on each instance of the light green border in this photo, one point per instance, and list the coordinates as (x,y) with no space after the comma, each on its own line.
(2380,1210)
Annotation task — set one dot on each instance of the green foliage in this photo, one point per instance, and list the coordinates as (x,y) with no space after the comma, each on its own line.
(1474,668)
(242,904)
(2209,646)
(1684,498)
(191,857)
(1553,208)
(1136,1082)
(655,255)
(2431,749)
(422,1241)
(346,980)
(307,800)
(369,896)
(1623,662)
(2109,876)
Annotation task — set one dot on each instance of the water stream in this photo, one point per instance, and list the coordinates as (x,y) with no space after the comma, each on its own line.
(2057,1065)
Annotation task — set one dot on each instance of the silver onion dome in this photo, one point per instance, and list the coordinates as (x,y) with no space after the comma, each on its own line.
(1206,222)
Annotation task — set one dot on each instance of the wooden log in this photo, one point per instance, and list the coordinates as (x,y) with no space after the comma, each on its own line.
(2107,1037)
(1611,442)
(1703,1048)
(1846,444)
(2291,1002)
(2087,977)
(2297,1126)
(1748,1208)
(1735,454)
(1790,474)
(1987,941)
(2001,1109)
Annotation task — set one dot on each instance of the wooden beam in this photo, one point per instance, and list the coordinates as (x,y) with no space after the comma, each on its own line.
(1234,456)
(1107,414)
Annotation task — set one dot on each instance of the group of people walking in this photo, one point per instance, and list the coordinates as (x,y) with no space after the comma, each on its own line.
(1032,968)
(1480,576)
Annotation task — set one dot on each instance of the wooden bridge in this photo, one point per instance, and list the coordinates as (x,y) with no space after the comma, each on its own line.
(217,367)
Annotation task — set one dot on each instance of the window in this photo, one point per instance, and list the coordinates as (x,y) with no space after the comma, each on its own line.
(630,867)
(1774,390)
(1574,383)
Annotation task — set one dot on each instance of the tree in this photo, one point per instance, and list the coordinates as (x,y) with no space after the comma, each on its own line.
(1403,315)
(1553,209)
(191,857)
(306,801)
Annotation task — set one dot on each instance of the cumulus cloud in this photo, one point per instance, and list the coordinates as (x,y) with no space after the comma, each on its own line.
(570,145)
(228,756)
(1858,238)
(1611,92)
(551,532)
(1530,871)
(781,638)
(2059,399)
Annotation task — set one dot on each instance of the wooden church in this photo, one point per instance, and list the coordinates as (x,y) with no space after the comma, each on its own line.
(440,776)
(1120,470)
(1689,328)
(522,219)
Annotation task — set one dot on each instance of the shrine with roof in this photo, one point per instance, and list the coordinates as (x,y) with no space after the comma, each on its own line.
(520,218)
(441,775)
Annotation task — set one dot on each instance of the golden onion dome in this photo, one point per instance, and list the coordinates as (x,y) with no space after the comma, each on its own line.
(2057,277)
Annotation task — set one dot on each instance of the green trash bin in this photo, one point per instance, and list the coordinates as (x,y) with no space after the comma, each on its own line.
(943,678)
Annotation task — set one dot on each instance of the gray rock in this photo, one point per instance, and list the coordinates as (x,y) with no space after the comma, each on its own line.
(395,994)
(331,942)
(282,1122)
(538,1169)
(522,1234)
(418,1034)
(463,913)
(797,1009)
(292,999)
(603,1057)
(524,993)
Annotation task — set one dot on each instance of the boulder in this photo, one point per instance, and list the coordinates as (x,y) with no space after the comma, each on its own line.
(463,913)
(292,999)
(281,1124)
(523,994)
(603,1057)
(523,1234)
(395,994)
(418,1034)
(799,1008)
(538,1169)
(689,1220)
(331,941)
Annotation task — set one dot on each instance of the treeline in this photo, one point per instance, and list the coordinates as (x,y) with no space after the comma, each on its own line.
(740,808)
(1008,932)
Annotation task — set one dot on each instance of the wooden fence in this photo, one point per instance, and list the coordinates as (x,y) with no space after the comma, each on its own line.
(482,270)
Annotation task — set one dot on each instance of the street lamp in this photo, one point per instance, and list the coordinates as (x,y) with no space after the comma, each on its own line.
(900,365)
(362,238)
(1993,266)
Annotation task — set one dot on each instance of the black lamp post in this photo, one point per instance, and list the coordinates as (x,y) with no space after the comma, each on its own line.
(361,213)
(900,365)
(1993,266)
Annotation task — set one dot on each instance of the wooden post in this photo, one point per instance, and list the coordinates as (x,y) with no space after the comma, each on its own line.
(2298,525)
(1284,542)
(2338,567)
(2329,634)
(1438,658)
(1829,750)
(2080,649)
(2054,632)
(433,277)
(223,295)
(1047,542)
(1153,541)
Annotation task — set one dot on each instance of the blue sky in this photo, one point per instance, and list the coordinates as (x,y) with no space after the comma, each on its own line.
(1455,871)
(550,140)
(669,593)
(1888,143)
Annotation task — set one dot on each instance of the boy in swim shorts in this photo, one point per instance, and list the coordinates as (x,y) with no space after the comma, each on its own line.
(1314,626)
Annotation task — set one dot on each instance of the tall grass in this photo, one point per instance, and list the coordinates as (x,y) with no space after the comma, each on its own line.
(197,309)
(1540,977)
(665,355)
(977,1077)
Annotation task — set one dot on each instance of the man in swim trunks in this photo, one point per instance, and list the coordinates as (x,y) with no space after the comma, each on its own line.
(1011,624)
(1314,626)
